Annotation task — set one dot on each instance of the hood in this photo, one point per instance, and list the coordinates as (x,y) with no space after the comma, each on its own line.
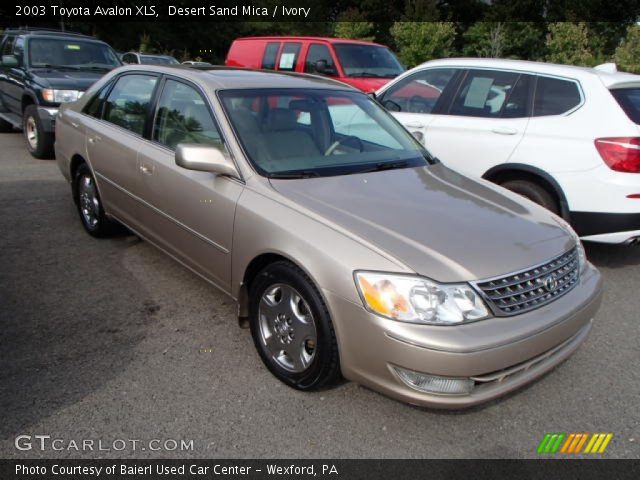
(437,222)
(366,84)
(66,79)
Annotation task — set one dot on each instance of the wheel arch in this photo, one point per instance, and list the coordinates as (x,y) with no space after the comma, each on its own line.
(28,98)
(512,171)
(76,161)
(255,266)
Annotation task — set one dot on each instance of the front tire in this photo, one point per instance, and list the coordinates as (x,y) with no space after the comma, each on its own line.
(292,329)
(92,215)
(39,142)
(533,192)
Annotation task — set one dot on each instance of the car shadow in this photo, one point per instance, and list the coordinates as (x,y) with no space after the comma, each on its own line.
(71,314)
(612,256)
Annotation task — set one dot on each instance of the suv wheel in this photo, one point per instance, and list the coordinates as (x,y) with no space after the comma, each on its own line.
(94,220)
(533,192)
(39,142)
(292,329)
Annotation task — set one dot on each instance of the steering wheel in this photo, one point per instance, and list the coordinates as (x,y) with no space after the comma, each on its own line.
(337,143)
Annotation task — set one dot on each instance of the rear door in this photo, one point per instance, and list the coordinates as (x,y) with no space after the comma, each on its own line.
(485,121)
(113,142)
(188,213)
(289,57)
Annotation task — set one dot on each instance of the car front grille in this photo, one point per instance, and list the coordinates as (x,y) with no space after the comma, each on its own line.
(524,291)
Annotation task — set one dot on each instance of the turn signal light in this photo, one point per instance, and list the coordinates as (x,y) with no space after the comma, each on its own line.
(621,154)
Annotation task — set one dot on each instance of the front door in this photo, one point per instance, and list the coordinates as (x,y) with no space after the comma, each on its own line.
(190,214)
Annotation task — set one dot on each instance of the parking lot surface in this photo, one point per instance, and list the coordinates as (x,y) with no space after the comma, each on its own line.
(110,340)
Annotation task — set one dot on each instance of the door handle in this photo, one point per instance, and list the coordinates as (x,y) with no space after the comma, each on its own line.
(504,130)
(147,170)
(95,139)
(414,125)
(74,124)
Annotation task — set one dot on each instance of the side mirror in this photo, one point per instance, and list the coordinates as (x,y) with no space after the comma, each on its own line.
(391,106)
(205,158)
(9,61)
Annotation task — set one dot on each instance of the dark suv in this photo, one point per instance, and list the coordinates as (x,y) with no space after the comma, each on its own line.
(40,69)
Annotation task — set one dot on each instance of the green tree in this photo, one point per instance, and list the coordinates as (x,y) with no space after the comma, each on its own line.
(352,24)
(627,54)
(568,42)
(485,39)
(417,42)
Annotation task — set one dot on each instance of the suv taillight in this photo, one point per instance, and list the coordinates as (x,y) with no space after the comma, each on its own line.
(621,154)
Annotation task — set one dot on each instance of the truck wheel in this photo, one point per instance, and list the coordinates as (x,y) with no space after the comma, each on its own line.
(39,142)
(533,192)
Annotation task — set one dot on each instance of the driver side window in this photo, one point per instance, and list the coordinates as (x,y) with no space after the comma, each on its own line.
(418,93)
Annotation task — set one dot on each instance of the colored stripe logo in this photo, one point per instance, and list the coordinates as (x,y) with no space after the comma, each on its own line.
(574,443)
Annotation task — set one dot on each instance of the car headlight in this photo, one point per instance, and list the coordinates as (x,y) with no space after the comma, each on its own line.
(582,256)
(419,300)
(60,96)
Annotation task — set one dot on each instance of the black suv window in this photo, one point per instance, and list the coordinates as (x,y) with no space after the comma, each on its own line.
(270,53)
(555,96)
(128,103)
(317,52)
(7,48)
(418,93)
(289,57)
(183,117)
(491,93)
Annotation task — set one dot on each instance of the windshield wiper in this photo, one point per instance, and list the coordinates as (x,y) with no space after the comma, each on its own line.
(365,74)
(56,67)
(379,167)
(295,174)
(94,68)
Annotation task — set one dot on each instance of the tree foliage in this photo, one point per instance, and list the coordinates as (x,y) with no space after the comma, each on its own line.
(627,55)
(417,42)
(568,42)
(352,24)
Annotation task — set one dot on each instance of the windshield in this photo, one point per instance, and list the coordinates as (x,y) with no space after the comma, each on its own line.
(71,53)
(157,60)
(291,133)
(368,61)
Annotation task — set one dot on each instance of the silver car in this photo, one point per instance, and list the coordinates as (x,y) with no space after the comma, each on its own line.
(348,248)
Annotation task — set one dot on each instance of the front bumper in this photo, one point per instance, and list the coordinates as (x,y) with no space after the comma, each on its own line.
(48,118)
(501,354)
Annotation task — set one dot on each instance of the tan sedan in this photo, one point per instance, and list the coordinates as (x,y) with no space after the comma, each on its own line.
(349,249)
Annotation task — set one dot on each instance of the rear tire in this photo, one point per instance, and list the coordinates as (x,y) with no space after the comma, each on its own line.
(533,192)
(92,215)
(39,142)
(292,329)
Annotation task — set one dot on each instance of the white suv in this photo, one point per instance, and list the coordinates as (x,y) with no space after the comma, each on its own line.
(565,137)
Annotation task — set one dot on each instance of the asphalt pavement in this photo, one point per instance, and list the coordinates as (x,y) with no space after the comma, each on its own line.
(111,341)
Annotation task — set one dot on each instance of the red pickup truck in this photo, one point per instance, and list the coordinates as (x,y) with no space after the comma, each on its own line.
(364,65)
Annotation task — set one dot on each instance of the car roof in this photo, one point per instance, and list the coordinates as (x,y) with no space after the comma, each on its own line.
(309,39)
(610,79)
(227,78)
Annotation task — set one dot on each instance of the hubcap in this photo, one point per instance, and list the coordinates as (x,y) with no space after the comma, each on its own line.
(89,203)
(31,131)
(287,328)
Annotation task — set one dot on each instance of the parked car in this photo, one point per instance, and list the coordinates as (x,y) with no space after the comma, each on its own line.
(364,65)
(133,58)
(537,129)
(41,69)
(359,255)
(196,63)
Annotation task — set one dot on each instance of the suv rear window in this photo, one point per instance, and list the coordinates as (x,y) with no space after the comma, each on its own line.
(629,100)
(555,96)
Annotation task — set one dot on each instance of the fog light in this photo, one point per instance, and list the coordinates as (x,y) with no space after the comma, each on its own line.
(433,384)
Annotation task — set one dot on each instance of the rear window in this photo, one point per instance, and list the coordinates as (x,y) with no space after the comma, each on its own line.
(629,100)
(555,96)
